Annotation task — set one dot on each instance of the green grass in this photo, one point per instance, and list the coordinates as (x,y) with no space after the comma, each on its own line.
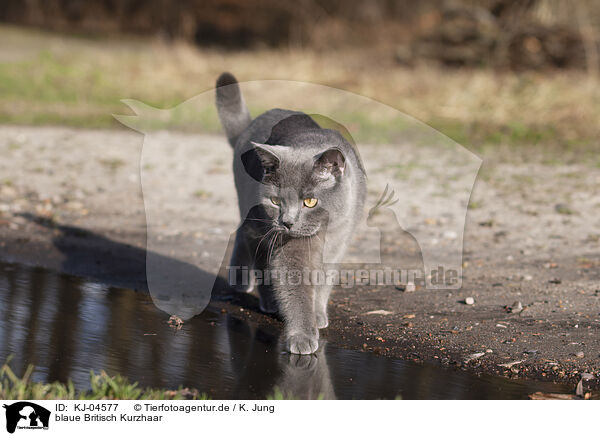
(279,395)
(103,387)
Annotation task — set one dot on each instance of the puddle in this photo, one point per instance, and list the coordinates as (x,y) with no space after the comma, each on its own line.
(67,326)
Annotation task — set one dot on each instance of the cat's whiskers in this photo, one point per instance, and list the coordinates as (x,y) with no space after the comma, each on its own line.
(307,238)
(272,244)
(269,249)
(316,235)
(262,239)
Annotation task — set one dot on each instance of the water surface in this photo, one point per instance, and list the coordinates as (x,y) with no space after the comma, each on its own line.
(67,326)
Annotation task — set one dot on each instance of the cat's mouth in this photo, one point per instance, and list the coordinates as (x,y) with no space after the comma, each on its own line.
(301,234)
(293,233)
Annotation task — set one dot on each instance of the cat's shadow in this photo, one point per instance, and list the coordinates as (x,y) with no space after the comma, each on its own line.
(97,257)
(90,254)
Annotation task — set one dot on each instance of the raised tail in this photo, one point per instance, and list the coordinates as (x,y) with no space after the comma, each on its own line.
(231,107)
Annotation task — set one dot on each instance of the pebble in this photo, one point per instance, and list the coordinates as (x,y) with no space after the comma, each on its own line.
(579,354)
(469,300)
(516,307)
(410,287)
(473,356)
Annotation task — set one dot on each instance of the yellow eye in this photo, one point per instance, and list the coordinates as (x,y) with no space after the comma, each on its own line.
(310,202)
(276,201)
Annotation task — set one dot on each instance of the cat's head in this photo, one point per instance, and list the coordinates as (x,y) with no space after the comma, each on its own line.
(300,186)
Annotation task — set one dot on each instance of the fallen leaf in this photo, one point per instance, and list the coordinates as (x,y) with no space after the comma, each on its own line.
(379,312)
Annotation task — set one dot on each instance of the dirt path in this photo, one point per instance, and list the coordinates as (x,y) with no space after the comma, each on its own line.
(71,200)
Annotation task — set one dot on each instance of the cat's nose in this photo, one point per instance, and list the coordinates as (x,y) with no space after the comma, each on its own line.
(287,223)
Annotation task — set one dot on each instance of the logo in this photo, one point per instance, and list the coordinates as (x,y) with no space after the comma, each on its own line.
(26,415)
(419,187)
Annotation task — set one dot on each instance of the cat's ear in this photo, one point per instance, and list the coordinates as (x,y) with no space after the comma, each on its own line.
(330,163)
(260,160)
(269,160)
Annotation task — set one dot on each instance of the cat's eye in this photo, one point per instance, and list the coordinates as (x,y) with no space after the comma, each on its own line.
(276,201)
(310,202)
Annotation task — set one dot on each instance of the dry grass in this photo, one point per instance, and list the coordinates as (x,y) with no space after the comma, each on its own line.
(52,79)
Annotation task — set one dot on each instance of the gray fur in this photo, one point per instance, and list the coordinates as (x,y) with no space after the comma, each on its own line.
(232,110)
(286,155)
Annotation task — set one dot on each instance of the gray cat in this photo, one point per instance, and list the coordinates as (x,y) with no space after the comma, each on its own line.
(301,188)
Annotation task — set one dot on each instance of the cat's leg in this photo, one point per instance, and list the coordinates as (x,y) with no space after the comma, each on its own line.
(241,263)
(296,304)
(321,300)
(266,299)
(323,289)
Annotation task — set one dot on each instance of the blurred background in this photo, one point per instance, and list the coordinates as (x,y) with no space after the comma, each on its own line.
(483,72)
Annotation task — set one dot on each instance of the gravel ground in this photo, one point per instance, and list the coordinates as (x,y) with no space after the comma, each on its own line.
(71,200)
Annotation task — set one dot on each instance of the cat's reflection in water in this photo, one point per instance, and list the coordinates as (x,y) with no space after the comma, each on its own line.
(306,376)
(255,359)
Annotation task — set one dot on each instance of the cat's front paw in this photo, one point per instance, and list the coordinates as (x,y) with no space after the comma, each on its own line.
(301,362)
(302,343)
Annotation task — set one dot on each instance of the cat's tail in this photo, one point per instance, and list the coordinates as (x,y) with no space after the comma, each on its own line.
(231,107)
